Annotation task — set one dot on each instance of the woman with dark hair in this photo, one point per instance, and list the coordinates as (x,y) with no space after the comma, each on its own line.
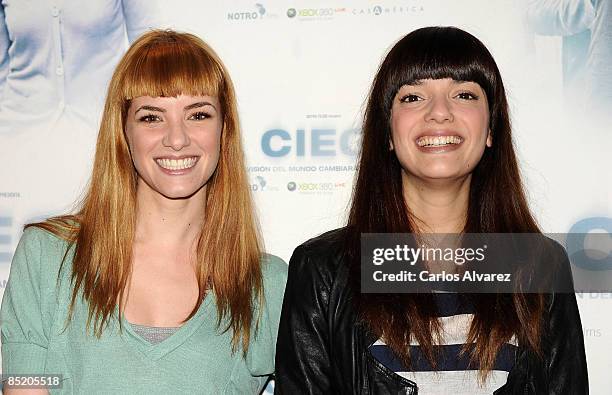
(159,283)
(436,157)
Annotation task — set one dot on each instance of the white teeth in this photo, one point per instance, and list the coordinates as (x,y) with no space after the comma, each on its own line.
(177,164)
(431,141)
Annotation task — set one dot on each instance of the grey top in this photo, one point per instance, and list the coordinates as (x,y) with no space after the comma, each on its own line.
(154,334)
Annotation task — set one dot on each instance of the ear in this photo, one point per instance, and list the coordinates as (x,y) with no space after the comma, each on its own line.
(489,139)
(391,145)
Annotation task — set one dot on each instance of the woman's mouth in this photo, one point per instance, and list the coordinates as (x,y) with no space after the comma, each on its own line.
(177,164)
(438,141)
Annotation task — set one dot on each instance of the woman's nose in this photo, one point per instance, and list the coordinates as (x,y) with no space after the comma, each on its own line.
(440,110)
(177,136)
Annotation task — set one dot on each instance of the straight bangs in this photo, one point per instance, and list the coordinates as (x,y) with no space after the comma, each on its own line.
(438,53)
(172,66)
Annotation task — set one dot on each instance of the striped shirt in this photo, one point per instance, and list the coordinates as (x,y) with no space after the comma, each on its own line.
(453,375)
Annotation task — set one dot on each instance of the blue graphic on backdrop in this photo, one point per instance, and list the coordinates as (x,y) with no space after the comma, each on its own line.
(316,143)
(6,224)
(81,46)
(586,29)
(575,243)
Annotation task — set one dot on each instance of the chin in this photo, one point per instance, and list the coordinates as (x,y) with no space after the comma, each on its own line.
(444,170)
(172,189)
(443,174)
(179,193)
(434,170)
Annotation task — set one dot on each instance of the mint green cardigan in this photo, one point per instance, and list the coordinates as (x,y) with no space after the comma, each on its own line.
(195,359)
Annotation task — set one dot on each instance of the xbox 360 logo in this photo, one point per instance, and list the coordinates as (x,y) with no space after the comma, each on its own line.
(291,12)
(291,186)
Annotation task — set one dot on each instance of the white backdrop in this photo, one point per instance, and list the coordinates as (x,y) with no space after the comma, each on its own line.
(302,70)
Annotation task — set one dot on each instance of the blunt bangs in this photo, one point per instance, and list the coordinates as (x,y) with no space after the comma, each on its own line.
(172,65)
(436,53)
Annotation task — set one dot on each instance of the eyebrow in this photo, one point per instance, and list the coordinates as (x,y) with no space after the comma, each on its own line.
(456,82)
(187,108)
(199,104)
(150,108)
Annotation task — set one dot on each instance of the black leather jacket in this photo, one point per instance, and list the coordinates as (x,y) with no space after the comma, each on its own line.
(322,349)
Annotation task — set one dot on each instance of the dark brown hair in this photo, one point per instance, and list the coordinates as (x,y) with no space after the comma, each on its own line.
(497,200)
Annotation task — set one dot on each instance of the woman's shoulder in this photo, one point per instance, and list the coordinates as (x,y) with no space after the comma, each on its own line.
(325,251)
(320,261)
(326,243)
(38,238)
(274,269)
(38,283)
(41,250)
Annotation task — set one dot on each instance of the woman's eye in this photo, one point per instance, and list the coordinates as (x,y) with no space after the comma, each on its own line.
(149,118)
(467,96)
(410,98)
(199,116)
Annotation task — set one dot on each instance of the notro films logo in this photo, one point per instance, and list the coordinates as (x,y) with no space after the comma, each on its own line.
(257,12)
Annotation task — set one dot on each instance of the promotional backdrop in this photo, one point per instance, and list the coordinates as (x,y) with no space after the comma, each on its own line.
(302,70)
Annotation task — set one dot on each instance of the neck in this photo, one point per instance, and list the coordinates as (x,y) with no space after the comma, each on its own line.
(169,222)
(439,206)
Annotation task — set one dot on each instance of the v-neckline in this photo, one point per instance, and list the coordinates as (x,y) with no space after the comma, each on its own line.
(159,350)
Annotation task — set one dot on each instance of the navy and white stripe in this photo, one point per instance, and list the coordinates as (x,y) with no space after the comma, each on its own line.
(453,373)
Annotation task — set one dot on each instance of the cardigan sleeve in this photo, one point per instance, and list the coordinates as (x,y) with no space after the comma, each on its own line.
(26,313)
(260,355)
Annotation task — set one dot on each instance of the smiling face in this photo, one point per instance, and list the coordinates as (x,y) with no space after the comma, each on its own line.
(174,142)
(439,128)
